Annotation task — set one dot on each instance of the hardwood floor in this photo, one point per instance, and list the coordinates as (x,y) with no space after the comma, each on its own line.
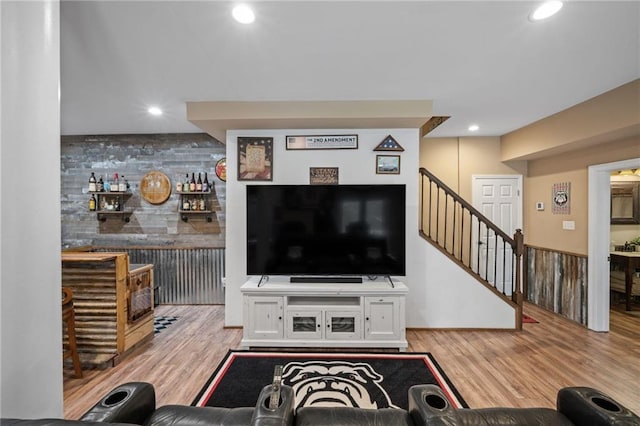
(489,368)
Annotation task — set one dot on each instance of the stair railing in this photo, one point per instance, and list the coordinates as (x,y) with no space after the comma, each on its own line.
(470,239)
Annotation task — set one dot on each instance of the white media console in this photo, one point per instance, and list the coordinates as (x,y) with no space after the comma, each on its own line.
(278,313)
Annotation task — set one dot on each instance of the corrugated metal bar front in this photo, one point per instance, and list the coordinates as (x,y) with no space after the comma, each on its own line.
(191,276)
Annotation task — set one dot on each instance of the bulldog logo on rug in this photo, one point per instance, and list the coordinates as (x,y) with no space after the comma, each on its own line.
(336,383)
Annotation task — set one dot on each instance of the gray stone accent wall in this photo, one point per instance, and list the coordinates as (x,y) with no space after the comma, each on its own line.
(133,156)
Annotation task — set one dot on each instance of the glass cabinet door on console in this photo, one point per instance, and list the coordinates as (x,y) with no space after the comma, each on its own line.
(264,317)
(304,323)
(343,325)
(321,324)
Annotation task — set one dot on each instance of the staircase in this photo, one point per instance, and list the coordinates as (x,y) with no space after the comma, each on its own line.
(472,241)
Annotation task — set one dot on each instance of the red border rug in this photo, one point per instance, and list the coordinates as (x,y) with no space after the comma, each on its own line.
(366,380)
(526,319)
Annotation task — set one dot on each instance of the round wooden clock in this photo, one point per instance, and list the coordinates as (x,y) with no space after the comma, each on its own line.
(155,187)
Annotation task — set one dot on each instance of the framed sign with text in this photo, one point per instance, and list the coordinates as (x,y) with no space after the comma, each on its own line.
(323,175)
(323,142)
(255,158)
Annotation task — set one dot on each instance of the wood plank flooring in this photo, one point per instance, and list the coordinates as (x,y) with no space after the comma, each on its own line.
(489,368)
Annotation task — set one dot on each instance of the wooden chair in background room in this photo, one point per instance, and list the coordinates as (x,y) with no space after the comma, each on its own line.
(69,319)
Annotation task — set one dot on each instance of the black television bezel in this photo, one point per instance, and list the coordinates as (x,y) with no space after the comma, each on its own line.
(328,276)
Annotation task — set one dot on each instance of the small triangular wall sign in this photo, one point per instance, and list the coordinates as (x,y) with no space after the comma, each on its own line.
(389,144)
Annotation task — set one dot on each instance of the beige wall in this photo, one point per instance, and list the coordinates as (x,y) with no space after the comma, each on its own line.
(543,228)
(613,115)
(455,160)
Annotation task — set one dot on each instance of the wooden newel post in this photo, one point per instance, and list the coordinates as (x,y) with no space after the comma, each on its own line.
(518,238)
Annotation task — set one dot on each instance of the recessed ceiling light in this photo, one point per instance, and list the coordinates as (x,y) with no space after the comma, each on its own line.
(546,10)
(243,14)
(474,128)
(154,111)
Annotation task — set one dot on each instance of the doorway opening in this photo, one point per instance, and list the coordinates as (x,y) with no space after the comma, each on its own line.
(599,240)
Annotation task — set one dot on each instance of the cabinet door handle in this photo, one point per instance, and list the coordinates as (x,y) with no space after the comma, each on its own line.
(280,318)
(366,319)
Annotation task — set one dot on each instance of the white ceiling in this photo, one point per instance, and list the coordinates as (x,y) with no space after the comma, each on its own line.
(478,61)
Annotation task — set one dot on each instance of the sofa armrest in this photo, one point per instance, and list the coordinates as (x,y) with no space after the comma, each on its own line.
(281,416)
(428,405)
(128,403)
(586,406)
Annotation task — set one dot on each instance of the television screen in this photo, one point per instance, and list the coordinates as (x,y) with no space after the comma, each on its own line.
(326,230)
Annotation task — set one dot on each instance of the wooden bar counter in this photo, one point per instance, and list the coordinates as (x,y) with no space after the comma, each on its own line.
(113,302)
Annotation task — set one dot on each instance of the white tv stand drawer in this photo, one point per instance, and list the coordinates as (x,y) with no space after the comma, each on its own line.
(283,314)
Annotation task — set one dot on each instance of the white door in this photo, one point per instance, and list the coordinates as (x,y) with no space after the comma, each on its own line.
(499,198)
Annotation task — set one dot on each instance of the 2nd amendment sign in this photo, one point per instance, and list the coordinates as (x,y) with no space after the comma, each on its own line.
(323,142)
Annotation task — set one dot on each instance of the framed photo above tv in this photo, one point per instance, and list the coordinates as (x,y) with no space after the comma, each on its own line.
(388,164)
(255,158)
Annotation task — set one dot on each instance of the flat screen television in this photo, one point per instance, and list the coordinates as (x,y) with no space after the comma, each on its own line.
(326,230)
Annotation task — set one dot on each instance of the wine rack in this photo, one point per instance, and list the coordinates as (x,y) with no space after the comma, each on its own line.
(195,201)
(111,204)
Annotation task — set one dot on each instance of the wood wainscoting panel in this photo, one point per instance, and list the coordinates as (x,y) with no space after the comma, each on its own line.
(557,281)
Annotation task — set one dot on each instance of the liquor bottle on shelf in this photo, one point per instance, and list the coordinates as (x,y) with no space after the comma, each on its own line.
(115,185)
(100,185)
(205,184)
(199,183)
(192,183)
(185,205)
(185,186)
(116,205)
(202,205)
(178,185)
(123,184)
(92,203)
(92,183)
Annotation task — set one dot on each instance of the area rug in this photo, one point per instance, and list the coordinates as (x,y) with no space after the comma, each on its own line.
(366,380)
(526,319)
(161,322)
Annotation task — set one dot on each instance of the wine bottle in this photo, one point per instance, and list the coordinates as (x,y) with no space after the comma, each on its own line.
(115,185)
(202,204)
(199,183)
(123,184)
(92,203)
(185,187)
(100,185)
(205,184)
(92,182)
(185,204)
(179,185)
(192,183)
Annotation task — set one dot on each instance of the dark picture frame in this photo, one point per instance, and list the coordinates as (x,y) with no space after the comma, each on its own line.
(387,164)
(255,158)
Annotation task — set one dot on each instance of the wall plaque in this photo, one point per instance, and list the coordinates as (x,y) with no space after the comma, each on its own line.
(323,175)
(155,187)
(323,142)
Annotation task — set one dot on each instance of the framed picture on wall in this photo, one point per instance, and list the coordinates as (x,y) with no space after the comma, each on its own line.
(323,175)
(255,158)
(388,164)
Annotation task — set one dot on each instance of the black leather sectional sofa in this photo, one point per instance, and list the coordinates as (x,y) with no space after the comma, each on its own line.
(134,403)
